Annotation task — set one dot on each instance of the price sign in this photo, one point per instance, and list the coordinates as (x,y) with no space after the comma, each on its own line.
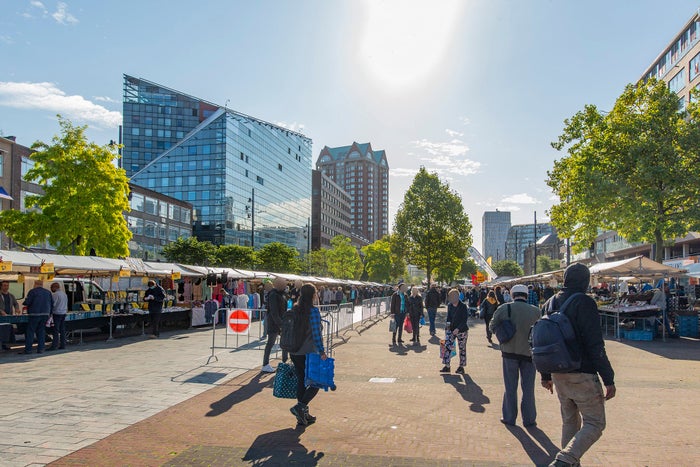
(46,268)
(6,266)
(175,276)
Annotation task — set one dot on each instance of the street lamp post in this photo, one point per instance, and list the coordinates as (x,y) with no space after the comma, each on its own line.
(535,262)
(251,200)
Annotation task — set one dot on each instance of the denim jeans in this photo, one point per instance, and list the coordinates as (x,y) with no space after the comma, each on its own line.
(432,312)
(36,324)
(582,412)
(514,369)
(59,332)
(399,325)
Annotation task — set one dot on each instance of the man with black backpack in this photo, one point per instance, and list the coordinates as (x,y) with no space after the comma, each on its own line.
(580,393)
(276,306)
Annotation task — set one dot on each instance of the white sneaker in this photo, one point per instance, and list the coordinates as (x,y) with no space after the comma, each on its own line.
(268,369)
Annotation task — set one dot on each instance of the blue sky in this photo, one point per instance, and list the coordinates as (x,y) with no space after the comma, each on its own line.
(475,90)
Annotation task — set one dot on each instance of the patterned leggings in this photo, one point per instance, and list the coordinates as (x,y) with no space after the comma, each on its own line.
(462,344)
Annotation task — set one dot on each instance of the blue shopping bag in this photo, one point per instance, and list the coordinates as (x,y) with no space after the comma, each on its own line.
(285,385)
(320,373)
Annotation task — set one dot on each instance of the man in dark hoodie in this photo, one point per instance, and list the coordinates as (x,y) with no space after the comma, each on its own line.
(580,393)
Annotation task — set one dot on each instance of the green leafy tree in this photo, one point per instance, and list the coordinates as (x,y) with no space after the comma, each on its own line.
(378,260)
(449,271)
(343,259)
(633,170)
(277,257)
(398,253)
(190,251)
(84,197)
(469,267)
(431,224)
(545,264)
(318,265)
(508,268)
(234,256)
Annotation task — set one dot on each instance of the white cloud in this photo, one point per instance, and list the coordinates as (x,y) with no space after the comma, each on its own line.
(48,97)
(61,14)
(520,198)
(105,99)
(446,157)
(38,4)
(298,127)
(465,120)
(403,172)
(453,133)
(6,39)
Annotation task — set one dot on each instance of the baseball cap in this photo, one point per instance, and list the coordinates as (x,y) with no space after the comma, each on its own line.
(520,288)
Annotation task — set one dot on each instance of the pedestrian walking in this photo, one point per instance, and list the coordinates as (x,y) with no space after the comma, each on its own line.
(580,393)
(432,302)
(276,307)
(516,358)
(155,296)
(456,328)
(488,308)
(310,318)
(398,310)
(415,311)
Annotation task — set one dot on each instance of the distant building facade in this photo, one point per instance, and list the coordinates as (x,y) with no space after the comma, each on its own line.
(363,173)
(154,221)
(520,237)
(249,181)
(494,231)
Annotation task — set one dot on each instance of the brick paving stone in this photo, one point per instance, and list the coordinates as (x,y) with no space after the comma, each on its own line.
(422,419)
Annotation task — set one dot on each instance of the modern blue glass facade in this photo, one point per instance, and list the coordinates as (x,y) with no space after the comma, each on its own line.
(248,180)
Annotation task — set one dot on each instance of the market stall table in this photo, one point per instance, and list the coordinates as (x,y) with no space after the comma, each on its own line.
(616,313)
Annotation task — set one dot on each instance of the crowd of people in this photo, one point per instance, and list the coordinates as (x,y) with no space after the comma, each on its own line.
(581,394)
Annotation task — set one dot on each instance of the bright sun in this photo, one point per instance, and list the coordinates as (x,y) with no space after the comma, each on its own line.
(405,40)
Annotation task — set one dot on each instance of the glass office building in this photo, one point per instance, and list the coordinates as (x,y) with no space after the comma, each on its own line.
(249,181)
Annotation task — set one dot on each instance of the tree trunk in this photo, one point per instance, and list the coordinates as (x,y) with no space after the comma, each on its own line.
(659,242)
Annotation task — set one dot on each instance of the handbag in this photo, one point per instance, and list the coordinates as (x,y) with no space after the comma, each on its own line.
(453,352)
(319,373)
(407,326)
(285,385)
(392,325)
(505,329)
(422,320)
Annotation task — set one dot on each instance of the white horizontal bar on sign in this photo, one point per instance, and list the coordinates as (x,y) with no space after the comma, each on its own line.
(382,380)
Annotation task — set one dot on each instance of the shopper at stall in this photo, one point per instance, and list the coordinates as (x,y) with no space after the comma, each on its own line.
(276,306)
(310,318)
(8,306)
(60,309)
(488,308)
(155,296)
(39,303)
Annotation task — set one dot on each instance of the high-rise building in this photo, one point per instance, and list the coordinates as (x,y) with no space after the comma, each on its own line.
(248,180)
(520,237)
(363,174)
(494,228)
(679,62)
(330,211)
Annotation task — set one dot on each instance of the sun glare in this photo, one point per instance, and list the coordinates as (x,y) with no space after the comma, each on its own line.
(405,40)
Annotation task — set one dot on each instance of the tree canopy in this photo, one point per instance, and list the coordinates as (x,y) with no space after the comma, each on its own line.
(508,268)
(431,225)
(277,257)
(378,260)
(234,256)
(190,251)
(342,259)
(545,264)
(84,197)
(633,170)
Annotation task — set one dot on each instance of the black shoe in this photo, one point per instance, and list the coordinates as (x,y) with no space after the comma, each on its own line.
(393,342)
(310,419)
(51,348)
(460,370)
(39,351)
(417,342)
(400,341)
(24,352)
(5,347)
(507,423)
(298,412)
(62,348)
(445,369)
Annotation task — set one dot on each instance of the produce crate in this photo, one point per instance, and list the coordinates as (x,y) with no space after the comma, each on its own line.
(637,335)
(688,326)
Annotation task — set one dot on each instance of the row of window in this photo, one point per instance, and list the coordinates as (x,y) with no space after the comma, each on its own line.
(674,53)
(160,208)
(152,229)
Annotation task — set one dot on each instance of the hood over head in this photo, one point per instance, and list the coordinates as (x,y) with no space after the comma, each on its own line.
(577,278)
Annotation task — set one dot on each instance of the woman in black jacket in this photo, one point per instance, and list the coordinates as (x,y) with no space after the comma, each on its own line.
(415,311)
(456,328)
(488,308)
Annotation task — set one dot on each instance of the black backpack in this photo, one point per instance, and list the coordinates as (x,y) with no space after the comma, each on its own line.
(553,341)
(294,328)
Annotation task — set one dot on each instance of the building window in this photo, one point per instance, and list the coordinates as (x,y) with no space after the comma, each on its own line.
(279,167)
(260,180)
(694,66)
(677,83)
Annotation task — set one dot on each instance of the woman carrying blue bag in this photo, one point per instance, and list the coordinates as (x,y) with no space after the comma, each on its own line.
(313,343)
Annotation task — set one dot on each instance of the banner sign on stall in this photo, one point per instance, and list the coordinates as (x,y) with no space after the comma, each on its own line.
(46,268)
(175,276)
(237,321)
(5,266)
(124,273)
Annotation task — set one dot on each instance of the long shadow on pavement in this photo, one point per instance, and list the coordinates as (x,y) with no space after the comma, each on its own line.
(469,390)
(281,448)
(684,348)
(540,454)
(254,386)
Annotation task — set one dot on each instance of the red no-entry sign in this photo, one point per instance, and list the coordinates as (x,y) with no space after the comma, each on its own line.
(238,322)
